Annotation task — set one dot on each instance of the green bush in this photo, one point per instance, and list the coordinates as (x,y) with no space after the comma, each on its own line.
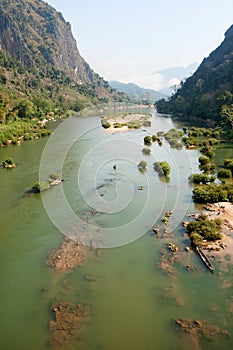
(163,168)
(204,160)
(201,178)
(146,151)
(213,193)
(105,124)
(204,228)
(228,164)
(142,165)
(224,174)
(147,140)
(40,186)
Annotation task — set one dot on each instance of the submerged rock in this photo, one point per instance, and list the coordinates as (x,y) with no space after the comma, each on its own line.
(67,322)
(70,254)
(200,329)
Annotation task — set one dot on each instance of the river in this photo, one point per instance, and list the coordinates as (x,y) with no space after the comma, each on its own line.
(134,303)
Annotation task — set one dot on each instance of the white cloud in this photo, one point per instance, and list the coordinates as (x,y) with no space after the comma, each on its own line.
(173,82)
(129,72)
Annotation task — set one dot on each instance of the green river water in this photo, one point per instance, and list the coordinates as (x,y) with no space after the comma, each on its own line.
(133,302)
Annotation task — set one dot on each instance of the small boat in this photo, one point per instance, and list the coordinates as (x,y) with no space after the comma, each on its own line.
(205,259)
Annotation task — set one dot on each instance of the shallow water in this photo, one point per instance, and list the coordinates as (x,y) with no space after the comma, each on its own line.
(134,303)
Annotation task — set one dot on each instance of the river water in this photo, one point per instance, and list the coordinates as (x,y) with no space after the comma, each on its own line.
(134,303)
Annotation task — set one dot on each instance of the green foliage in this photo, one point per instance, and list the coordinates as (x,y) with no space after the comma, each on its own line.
(163,168)
(53,176)
(224,174)
(146,151)
(228,164)
(213,193)
(9,161)
(142,165)
(40,186)
(204,229)
(105,124)
(201,178)
(147,140)
(23,129)
(203,160)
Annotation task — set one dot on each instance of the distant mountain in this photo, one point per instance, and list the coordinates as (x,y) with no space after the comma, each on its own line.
(172,76)
(39,59)
(208,93)
(136,92)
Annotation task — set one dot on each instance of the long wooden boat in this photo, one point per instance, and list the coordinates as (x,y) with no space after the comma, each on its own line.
(204,258)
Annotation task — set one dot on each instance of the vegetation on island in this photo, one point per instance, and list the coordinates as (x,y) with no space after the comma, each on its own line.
(147,140)
(40,186)
(129,119)
(8,163)
(163,168)
(213,193)
(204,229)
(146,150)
(142,166)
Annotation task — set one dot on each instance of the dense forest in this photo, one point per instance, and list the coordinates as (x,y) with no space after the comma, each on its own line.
(208,94)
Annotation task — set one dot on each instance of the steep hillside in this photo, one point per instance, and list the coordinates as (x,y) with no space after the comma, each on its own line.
(208,93)
(136,92)
(40,61)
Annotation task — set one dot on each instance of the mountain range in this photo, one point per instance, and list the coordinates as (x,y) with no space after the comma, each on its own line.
(138,93)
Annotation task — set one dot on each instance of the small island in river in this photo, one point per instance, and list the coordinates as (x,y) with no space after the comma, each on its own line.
(125,121)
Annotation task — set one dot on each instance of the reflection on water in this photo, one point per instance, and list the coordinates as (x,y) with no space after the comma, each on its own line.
(134,303)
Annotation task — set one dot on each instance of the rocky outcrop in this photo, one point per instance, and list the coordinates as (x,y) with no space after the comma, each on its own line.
(36,34)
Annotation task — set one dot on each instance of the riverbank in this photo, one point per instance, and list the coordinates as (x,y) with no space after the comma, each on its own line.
(222,250)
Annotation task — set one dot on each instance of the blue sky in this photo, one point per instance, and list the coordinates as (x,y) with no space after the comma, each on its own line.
(129,40)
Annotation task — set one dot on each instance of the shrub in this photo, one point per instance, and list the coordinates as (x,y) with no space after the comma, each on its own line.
(201,178)
(142,165)
(204,228)
(105,124)
(147,140)
(213,193)
(146,151)
(40,186)
(224,173)
(8,163)
(228,164)
(163,168)
(204,160)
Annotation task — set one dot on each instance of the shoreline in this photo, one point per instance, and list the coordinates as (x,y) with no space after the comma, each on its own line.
(221,250)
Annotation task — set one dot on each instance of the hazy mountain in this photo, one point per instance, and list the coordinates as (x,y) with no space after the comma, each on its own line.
(208,93)
(136,92)
(172,76)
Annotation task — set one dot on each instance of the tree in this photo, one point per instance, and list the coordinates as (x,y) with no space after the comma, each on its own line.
(163,168)
(227,113)
(142,166)
(26,109)
(147,140)
(224,174)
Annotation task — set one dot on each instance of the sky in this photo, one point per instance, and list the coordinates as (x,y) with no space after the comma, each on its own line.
(131,40)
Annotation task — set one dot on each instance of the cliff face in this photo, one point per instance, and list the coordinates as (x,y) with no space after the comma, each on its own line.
(204,94)
(36,34)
